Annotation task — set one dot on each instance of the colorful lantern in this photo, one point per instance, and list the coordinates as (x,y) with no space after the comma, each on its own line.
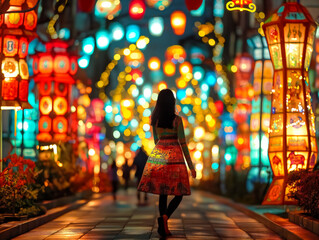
(241,5)
(178,22)
(169,68)
(108,8)
(135,59)
(261,107)
(245,66)
(54,70)
(117,31)
(175,53)
(193,4)
(102,39)
(132,33)
(199,11)
(154,63)
(290,32)
(17,30)
(137,9)
(156,26)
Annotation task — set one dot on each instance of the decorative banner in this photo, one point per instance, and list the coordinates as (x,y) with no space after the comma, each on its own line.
(290,33)
(241,5)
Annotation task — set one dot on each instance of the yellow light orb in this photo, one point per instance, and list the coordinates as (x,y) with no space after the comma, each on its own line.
(199,132)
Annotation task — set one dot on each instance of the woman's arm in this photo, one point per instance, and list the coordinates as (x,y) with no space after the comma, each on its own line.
(182,141)
(155,135)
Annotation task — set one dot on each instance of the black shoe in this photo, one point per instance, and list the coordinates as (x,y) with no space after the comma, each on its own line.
(161,229)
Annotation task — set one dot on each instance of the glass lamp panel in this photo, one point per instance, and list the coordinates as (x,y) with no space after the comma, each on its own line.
(23,47)
(276,56)
(46,64)
(45,87)
(295,99)
(10,68)
(23,90)
(60,125)
(296,124)
(266,53)
(45,124)
(45,105)
(308,56)
(277,97)
(258,54)
(266,104)
(265,121)
(10,46)
(13,20)
(296,160)
(60,89)
(267,85)
(268,69)
(311,35)
(276,125)
(255,122)
(30,20)
(276,163)
(60,105)
(9,89)
(294,33)
(294,54)
(272,34)
(23,66)
(256,105)
(61,64)
(258,69)
(257,86)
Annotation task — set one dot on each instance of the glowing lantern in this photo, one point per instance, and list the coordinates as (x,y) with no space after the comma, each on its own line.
(88,45)
(108,8)
(219,106)
(17,30)
(193,4)
(169,68)
(132,33)
(117,31)
(137,9)
(185,68)
(178,22)
(290,34)
(54,75)
(156,26)
(136,73)
(200,11)
(261,107)
(135,59)
(241,5)
(199,132)
(245,66)
(86,5)
(102,39)
(175,53)
(154,63)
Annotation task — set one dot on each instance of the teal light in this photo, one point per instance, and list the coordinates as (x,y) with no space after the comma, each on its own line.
(220,81)
(135,92)
(134,147)
(116,134)
(185,109)
(102,39)
(148,134)
(118,118)
(147,92)
(88,45)
(210,78)
(84,61)
(191,119)
(223,91)
(139,81)
(215,166)
(64,34)
(156,26)
(198,73)
(181,94)
(147,113)
(204,87)
(141,100)
(230,155)
(200,11)
(132,33)
(134,123)
(117,31)
(219,8)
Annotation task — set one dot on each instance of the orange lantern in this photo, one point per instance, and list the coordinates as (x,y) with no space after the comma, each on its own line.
(185,68)
(154,63)
(54,70)
(290,32)
(17,28)
(169,68)
(178,22)
(137,9)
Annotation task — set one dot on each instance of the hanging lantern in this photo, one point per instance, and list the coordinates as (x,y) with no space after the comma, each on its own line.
(137,9)
(178,22)
(241,5)
(156,26)
(154,63)
(245,66)
(290,32)
(169,68)
(102,39)
(54,70)
(86,5)
(135,59)
(261,107)
(193,4)
(159,4)
(17,30)
(108,8)
(175,53)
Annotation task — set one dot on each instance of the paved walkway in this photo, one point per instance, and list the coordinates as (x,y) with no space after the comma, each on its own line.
(199,216)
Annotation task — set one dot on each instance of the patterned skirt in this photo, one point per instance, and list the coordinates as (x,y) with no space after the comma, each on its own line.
(165,171)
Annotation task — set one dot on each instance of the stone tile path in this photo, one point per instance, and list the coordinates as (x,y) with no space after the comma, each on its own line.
(199,217)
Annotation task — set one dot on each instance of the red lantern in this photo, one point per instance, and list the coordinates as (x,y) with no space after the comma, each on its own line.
(193,4)
(219,106)
(17,29)
(86,5)
(54,75)
(137,9)
(178,22)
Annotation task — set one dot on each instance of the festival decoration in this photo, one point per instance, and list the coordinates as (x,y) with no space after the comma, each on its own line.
(175,53)
(154,63)
(241,5)
(290,32)
(193,4)
(108,8)
(54,70)
(156,26)
(86,5)
(17,30)
(260,116)
(178,22)
(137,9)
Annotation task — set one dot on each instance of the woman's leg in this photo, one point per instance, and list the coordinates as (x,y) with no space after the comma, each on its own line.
(162,204)
(173,205)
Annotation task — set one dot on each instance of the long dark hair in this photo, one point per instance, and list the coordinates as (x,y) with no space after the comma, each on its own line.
(164,111)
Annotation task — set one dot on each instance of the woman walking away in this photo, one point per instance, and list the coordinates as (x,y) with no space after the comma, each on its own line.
(165,172)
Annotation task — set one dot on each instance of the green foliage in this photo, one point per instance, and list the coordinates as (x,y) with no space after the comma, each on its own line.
(304,187)
(17,184)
